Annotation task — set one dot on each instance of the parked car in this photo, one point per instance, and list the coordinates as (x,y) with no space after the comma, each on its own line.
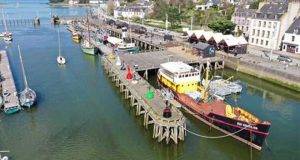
(284,58)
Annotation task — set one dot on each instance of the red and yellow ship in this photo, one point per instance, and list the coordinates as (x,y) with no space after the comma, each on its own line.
(184,81)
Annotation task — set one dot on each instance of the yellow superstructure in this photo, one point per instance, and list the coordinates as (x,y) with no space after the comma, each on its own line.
(183,87)
(180,77)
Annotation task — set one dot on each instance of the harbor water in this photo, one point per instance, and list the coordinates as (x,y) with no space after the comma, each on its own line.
(80,114)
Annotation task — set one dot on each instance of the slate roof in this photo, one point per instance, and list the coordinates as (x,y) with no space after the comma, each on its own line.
(274,8)
(200,45)
(294,27)
(272,11)
(244,12)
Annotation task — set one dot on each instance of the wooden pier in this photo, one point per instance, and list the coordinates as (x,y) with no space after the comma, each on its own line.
(151,109)
(16,22)
(7,83)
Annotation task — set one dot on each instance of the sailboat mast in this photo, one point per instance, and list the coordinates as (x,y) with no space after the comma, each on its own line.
(88,25)
(4,21)
(23,70)
(205,92)
(58,35)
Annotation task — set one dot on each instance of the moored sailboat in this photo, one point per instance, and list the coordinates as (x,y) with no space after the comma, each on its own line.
(27,96)
(182,80)
(7,36)
(86,45)
(60,59)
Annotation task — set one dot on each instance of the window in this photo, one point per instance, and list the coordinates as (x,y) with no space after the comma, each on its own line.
(268,34)
(269,24)
(283,46)
(252,40)
(267,43)
(261,42)
(274,24)
(263,33)
(259,23)
(247,28)
(297,49)
(258,32)
(293,38)
(265,23)
(256,41)
(253,32)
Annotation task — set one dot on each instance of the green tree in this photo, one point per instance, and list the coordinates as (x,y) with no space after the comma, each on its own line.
(255,4)
(174,17)
(135,18)
(222,25)
(56,1)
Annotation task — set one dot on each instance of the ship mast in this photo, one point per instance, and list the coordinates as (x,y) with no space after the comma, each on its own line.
(205,92)
(88,25)
(59,50)
(23,70)
(4,21)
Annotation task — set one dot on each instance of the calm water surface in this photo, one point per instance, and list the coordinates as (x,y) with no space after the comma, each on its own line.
(81,115)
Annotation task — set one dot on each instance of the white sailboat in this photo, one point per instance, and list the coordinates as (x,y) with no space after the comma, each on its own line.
(4,157)
(27,96)
(7,36)
(60,59)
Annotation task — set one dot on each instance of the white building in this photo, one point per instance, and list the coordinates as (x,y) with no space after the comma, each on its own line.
(96,1)
(270,22)
(129,12)
(73,2)
(291,40)
(241,17)
(137,9)
(203,7)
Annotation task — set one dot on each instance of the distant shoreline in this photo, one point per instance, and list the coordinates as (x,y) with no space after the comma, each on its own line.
(68,5)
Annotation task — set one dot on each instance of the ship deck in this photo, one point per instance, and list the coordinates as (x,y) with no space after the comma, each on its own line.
(217,107)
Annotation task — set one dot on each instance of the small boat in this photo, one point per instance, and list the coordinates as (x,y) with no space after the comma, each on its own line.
(76,36)
(221,87)
(182,80)
(7,38)
(27,96)
(12,110)
(60,59)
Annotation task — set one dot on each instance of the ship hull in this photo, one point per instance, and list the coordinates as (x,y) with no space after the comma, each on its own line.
(242,130)
(89,51)
(12,110)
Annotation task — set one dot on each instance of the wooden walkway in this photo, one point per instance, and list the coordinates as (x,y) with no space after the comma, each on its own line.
(7,83)
(152,109)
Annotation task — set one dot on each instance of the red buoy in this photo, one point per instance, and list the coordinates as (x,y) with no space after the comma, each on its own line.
(129,75)
(105,37)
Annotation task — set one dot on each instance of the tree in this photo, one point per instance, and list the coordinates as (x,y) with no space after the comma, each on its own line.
(222,25)
(135,18)
(255,4)
(110,7)
(56,1)
(174,16)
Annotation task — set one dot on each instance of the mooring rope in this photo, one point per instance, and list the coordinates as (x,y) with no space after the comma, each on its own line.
(215,137)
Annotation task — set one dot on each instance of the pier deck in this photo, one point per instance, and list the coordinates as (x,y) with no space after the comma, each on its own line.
(8,85)
(152,109)
(152,60)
